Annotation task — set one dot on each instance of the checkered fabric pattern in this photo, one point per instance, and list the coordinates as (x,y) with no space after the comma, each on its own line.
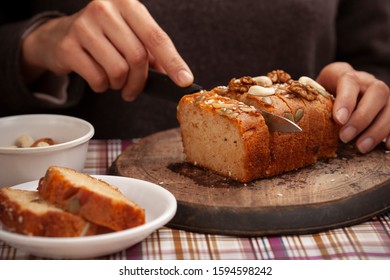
(369,240)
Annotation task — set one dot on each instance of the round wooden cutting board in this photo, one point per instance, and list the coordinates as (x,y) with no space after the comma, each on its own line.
(338,192)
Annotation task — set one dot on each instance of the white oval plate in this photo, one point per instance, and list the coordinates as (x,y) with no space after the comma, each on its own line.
(159,204)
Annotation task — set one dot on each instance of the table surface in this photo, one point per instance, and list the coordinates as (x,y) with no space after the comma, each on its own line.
(369,240)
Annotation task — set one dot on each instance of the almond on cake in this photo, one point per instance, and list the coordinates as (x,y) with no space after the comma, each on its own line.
(223,131)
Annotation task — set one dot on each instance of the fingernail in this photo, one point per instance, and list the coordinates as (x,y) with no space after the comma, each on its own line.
(348,134)
(366,145)
(128,98)
(342,115)
(185,78)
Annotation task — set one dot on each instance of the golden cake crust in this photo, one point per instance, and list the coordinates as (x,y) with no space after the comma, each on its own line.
(241,130)
(302,101)
(90,198)
(27,213)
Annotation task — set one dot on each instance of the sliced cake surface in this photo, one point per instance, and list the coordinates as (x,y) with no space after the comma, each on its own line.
(27,213)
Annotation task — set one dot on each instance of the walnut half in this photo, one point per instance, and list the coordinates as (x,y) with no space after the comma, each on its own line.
(304,91)
(279,76)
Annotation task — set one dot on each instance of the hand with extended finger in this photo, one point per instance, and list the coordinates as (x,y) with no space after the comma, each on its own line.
(108,43)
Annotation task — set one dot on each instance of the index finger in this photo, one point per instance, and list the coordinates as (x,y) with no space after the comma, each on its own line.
(348,90)
(157,42)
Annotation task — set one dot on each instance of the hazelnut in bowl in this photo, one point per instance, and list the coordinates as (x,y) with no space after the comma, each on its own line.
(29,144)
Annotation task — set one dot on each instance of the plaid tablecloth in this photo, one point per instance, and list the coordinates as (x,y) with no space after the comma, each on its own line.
(370,240)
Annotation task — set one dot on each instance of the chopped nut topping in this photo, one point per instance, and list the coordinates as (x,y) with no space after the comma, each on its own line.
(279,76)
(261,91)
(228,113)
(221,89)
(209,101)
(267,100)
(241,85)
(199,99)
(276,81)
(248,109)
(298,114)
(310,82)
(220,104)
(263,81)
(224,106)
(304,91)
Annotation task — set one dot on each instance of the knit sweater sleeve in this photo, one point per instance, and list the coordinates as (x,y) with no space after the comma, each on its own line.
(364,36)
(15,96)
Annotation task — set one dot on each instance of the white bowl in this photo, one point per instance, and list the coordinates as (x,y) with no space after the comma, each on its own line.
(160,206)
(19,165)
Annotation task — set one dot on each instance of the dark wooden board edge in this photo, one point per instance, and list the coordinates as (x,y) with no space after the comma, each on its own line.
(251,223)
(277,220)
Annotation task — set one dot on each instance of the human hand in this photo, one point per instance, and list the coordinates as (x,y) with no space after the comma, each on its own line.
(109,43)
(361,107)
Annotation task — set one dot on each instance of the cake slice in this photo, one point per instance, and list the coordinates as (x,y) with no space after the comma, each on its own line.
(90,198)
(224,135)
(27,213)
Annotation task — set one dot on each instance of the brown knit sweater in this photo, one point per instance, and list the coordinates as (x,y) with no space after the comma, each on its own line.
(219,39)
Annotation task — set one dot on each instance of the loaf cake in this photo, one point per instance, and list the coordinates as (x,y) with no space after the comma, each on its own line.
(90,198)
(222,129)
(25,212)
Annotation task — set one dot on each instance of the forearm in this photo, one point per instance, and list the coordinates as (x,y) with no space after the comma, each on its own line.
(17,76)
(30,70)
